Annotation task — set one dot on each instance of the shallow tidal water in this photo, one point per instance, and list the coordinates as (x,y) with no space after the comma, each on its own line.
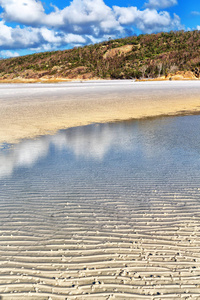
(104,211)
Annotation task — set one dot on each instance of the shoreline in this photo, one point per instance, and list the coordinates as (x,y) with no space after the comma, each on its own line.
(66,80)
(92,209)
(100,212)
(31,110)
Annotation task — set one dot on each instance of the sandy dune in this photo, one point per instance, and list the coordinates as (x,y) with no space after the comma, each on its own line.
(29,110)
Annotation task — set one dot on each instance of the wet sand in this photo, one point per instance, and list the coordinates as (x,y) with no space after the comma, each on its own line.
(106,211)
(30,110)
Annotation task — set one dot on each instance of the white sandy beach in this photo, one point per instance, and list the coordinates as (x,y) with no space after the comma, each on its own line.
(114,212)
(29,110)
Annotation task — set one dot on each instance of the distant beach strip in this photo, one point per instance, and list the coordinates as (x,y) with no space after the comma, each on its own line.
(30,110)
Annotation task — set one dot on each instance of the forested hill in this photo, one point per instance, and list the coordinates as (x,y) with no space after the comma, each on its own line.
(143,56)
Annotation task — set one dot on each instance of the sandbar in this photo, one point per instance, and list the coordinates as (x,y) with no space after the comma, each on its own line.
(31,110)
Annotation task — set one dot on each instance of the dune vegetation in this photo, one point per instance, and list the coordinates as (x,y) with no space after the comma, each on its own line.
(144,56)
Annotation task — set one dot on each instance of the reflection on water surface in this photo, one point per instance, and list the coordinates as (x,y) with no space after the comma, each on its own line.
(106,210)
(146,138)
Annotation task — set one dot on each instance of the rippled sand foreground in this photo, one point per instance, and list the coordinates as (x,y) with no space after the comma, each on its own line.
(29,110)
(108,211)
(108,246)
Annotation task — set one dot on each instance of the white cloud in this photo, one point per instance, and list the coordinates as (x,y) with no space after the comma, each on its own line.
(198,27)
(148,20)
(88,17)
(22,11)
(8,54)
(82,22)
(195,13)
(50,36)
(16,38)
(81,16)
(5,34)
(30,13)
(160,4)
(41,38)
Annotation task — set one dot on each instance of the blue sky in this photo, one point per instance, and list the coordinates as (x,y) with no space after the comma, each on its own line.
(29,26)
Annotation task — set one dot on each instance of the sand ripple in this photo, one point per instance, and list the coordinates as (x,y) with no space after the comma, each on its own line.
(110,245)
(126,227)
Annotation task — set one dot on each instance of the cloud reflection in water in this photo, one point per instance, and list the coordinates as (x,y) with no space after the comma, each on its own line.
(150,138)
(92,141)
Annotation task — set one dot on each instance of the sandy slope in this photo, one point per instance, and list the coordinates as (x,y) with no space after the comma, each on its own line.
(29,110)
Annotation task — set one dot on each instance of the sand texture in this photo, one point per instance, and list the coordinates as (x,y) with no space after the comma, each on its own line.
(89,225)
(29,110)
